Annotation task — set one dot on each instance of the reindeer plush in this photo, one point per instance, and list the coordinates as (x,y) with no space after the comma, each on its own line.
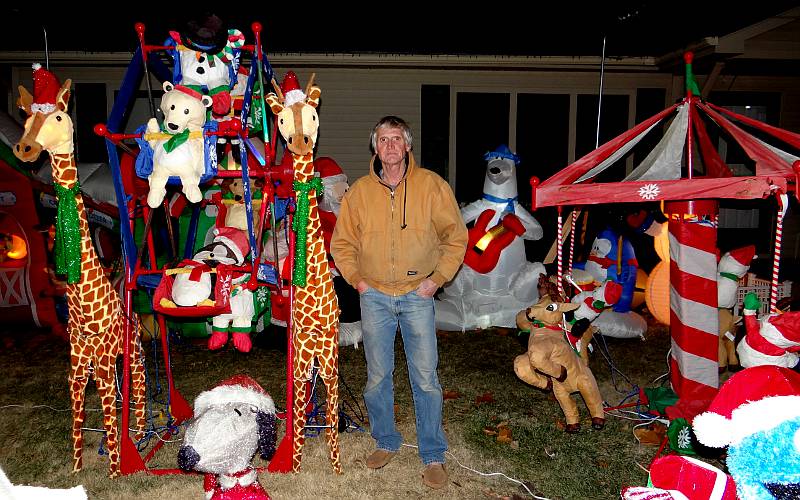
(552,363)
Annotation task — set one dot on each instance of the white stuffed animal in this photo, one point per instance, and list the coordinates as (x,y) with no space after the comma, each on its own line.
(179,150)
(232,422)
(480,300)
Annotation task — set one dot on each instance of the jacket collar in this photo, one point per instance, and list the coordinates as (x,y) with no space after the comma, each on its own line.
(375,166)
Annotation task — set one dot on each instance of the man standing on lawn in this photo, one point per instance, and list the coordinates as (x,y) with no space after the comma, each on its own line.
(399,237)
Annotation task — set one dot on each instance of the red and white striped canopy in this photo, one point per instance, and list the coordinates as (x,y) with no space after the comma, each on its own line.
(659,175)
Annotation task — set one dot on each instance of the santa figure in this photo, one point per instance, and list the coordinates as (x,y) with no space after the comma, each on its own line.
(772,340)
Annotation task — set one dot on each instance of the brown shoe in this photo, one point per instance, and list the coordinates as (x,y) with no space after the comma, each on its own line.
(434,476)
(379,458)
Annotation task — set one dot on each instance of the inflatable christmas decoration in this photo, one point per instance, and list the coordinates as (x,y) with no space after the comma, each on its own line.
(756,414)
(612,257)
(774,339)
(552,363)
(232,422)
(676,477)
(591,304)
(96,318)
(496,280)
(732,266)
(334,186)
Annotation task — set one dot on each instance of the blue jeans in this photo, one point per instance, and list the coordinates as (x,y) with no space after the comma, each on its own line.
(380,316)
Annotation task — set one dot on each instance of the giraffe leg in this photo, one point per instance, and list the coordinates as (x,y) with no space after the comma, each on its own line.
(78,378)
(299,421)
(332,421)
(106,388)
(138,383)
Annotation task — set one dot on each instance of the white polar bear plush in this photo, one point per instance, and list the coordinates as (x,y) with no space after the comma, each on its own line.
(480,300)
(178,149)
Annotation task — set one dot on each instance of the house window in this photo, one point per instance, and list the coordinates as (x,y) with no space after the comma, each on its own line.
(90,109)
(481,126)
(435,143)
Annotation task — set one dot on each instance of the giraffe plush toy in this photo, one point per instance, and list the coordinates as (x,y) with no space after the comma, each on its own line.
(95,323)
(315,311)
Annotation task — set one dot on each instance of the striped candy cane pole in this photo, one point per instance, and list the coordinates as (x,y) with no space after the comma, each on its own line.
(783,205)
(694,322)
(572,240)
(560,258)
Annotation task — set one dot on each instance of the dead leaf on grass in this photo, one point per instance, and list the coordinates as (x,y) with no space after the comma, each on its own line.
(489,431)
(652,435)
(451,395)
(486,397)
(504,435)
(514,445)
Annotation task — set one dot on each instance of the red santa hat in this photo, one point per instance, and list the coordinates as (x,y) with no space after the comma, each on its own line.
(45,90)
(291,89)
(787,326)
(612,291)
(753,400)
(237,389)
(234,239)
(737,261)
(329,170)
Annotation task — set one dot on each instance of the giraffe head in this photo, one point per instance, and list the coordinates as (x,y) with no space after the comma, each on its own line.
(48,126)
(297,113)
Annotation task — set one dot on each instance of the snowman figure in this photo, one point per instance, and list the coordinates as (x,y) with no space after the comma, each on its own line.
(496,281)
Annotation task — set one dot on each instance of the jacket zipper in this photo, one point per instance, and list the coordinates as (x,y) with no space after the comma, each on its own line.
(391,231)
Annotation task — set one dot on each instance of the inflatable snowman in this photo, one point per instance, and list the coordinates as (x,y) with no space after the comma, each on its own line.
(496,280)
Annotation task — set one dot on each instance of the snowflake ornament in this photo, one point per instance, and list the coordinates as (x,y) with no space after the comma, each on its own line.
(649,191)
(684,438)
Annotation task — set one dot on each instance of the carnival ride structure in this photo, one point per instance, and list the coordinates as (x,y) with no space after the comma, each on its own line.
(142,271)
(686,173)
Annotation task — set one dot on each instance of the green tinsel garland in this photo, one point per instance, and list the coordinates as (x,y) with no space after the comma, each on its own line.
(68,233)
(300,227)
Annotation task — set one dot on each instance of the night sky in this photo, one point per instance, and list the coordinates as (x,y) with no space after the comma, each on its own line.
(632,28)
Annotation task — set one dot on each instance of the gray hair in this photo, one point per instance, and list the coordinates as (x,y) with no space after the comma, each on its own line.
(391,122)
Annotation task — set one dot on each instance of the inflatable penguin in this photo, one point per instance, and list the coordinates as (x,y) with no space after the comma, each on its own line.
(496,280)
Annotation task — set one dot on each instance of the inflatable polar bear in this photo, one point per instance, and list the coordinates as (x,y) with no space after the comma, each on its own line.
(480,300)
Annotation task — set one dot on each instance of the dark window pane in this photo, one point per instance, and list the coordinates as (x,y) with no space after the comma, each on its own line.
(435,100)
(90,109)
(481,126)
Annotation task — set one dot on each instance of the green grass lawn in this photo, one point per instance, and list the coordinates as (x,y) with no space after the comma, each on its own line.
(476,370)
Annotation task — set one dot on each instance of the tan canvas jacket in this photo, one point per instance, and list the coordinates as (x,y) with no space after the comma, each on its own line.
(395,239)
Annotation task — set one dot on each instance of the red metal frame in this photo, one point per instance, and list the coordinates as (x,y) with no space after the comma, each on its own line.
(130,458)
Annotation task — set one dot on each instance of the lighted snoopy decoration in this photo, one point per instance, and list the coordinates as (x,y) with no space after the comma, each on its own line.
(496,280)
(231,423)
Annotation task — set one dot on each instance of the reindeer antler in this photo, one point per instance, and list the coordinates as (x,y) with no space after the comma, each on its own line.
(310,83)
(277,90)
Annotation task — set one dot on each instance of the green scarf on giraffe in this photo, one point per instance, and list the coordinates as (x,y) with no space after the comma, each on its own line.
(68,233)
(300,227)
